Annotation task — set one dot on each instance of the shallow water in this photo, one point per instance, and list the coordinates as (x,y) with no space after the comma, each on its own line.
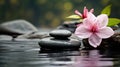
(26,53)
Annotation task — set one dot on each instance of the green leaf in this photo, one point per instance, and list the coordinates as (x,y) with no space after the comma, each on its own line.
(113,21)
(73,17)
(106,10)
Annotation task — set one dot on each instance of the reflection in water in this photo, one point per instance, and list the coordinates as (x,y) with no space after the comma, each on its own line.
(93,59)
(26,54)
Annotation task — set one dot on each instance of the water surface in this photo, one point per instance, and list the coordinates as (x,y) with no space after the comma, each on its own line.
(26,53)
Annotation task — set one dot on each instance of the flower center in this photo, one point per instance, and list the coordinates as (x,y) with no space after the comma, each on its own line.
(93,28)
(83,16)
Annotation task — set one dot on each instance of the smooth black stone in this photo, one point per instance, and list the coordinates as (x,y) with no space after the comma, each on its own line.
(16,27)
(34,35)
(54,44)
(60,34)
(5,37)
(71,26)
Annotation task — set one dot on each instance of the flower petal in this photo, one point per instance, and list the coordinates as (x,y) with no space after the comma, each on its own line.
(105,32)
(89,21)
(94,40)
(91,17)
(102,20)
(85,12)
(82,32)
(92,10)
(78,13)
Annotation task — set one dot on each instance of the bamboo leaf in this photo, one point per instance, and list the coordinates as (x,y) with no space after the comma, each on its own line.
(106,10)
(73,17)
(113,21)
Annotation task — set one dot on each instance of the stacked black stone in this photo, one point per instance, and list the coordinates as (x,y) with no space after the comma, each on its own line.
(59,40)
(60,34)
(68,26)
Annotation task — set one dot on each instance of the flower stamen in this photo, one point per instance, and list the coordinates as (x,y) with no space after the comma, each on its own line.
(93,29)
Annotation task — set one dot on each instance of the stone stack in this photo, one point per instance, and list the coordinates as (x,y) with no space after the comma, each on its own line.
(59,40)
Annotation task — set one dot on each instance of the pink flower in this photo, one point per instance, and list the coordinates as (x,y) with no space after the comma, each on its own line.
(95,29)
(85,12)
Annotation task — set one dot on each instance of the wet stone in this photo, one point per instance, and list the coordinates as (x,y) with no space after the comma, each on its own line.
(51,43)
(5,37)
(69,25)
(17,27)
(59,40)
(60,34)
(34,35)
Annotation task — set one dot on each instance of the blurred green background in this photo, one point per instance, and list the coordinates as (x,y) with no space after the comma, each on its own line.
(51,13)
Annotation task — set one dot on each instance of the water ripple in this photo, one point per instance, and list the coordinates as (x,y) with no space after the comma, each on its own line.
(28,54)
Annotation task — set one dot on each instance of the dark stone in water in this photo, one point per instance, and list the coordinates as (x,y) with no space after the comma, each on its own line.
(60,40)
(69,25)
(5,37)
(16,27)
(34,35)
(60,34)
(54,44)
